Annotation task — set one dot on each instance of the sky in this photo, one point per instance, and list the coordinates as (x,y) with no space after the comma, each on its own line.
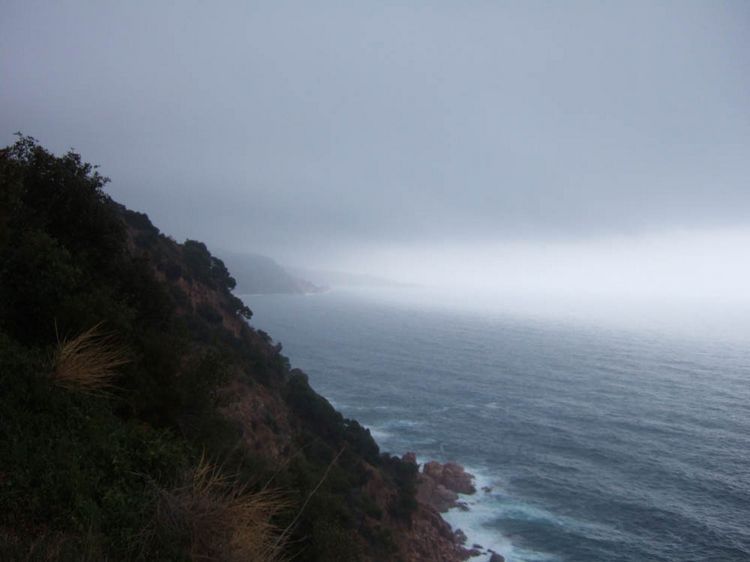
(598,147)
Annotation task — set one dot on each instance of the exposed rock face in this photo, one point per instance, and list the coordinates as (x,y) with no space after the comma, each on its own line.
(435,540)
(440,484)
(436,495)
(426,537)
(450,475)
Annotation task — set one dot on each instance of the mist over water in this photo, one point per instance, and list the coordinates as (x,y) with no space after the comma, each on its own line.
(698,319)
(596,443)
(687,283)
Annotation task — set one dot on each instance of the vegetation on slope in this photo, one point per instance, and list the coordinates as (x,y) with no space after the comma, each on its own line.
(117,347)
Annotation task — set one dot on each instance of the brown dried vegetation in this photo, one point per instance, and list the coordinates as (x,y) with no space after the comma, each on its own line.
(89,362)
(218,519)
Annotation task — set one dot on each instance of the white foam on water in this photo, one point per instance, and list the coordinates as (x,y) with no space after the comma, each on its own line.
(380,435)
(383,432)
(478,522)
(485,506)
(403,423)
(336,405)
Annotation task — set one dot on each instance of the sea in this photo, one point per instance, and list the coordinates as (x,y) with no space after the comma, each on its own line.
(588,443)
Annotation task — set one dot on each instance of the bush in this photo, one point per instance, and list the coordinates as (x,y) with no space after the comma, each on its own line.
(322,418)
(88,362)
(69,464)
(404,476)
(215,517)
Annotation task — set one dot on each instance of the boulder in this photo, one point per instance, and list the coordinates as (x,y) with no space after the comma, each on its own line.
(457,479)
(439,484)
(451,475)
(409,457)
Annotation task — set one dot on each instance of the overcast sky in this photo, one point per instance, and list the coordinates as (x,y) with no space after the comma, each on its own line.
(372,135)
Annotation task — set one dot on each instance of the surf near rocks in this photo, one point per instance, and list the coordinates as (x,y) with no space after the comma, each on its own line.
(440,484)
(438,489)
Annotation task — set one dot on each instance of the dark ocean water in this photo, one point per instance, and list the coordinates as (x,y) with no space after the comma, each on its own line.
(599,445)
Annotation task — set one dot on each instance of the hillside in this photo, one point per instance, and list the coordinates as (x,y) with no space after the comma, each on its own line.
(143,418)
(261,275)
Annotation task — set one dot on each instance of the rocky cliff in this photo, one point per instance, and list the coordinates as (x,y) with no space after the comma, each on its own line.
(198,440)
(271,426)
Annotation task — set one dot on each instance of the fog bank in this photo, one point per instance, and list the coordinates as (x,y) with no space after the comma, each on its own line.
(689,283)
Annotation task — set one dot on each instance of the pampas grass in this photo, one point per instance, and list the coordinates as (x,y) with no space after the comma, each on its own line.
(219,519)
(88,362)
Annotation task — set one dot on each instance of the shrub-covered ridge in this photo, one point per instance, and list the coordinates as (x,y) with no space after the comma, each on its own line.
(189,384)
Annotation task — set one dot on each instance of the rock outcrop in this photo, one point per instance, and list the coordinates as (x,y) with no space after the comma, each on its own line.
(451,475)
(433,539)
(438,489)
(439,484)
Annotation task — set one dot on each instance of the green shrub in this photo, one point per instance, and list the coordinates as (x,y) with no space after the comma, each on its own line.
(69,464)
(81,475)
(404,476)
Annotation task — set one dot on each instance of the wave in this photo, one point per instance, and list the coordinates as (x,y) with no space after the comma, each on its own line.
(479,522)
(614,446)
(380,435)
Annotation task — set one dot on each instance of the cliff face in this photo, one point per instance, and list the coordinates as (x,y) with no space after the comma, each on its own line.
(111,471)
(271,426)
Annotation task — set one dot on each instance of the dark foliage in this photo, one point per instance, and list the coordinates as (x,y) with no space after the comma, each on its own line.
(404,475)
(78,472)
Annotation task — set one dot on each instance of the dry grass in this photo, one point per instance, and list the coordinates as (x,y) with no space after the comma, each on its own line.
(88,362)
(220,520)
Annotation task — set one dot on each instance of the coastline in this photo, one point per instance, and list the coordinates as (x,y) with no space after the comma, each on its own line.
(449,490)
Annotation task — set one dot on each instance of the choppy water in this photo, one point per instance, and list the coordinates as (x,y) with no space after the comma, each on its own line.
(598,445)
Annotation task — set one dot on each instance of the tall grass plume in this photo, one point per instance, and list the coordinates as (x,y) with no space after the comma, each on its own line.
(88,362)
(219,519)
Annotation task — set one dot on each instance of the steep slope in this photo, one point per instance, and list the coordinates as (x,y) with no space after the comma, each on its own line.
(206,417)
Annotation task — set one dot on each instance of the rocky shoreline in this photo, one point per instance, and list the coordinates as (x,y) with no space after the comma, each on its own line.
(439,487)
